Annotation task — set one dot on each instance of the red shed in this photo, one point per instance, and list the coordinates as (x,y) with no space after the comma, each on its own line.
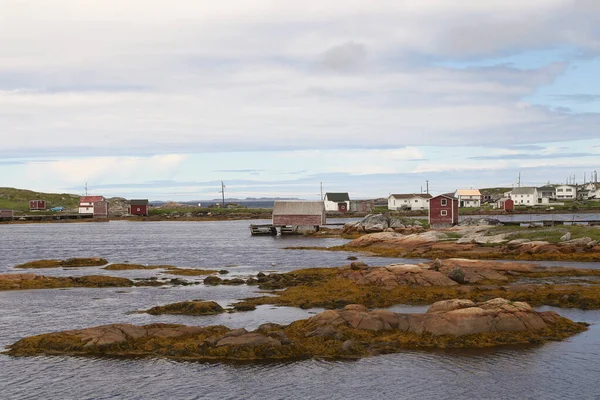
(101,209)
(37,205)
(7,213)
(139,207)
(506,204)
(443,211)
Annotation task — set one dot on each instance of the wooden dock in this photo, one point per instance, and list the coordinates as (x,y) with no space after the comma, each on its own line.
(273,230)
(50,217)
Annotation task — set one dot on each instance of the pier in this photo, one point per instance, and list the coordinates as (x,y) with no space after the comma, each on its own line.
(273,230)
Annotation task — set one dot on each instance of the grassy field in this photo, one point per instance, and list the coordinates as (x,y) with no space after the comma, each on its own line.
(18,199)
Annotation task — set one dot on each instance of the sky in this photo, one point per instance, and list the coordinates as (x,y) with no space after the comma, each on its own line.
(165,99)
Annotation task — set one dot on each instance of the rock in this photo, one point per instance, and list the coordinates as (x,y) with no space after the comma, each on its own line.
(352,258)
(347,346)
(261,275)
(565,237)
(437,264)
(449,305)
(234,281)
(236,332)
(195,307)
(223,272)
(325,331)
(389,230)
(358,265)
(457,275)
(584,241)
(249,339)
(212,280)
(374,223)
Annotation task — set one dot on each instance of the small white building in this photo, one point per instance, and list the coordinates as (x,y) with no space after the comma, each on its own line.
(87,203)
(409,201)
(468,197)
(337,202)
(566,192)
(526,196)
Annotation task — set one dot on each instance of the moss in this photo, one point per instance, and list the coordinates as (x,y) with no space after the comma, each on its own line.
(125,267)
(48,282)
(71,262)
(190,271)
(194,307)
(352,343)
(328,290)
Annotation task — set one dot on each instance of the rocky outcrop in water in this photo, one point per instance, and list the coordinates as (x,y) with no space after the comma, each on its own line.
(32,281)
(192,307)
(353,331)
(70,263)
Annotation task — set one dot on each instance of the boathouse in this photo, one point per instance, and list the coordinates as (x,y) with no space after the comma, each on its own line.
(95,205)
(139,207)
(339,202)
(7,214)
(298,213)
(37,205)
(506,204)
(443,211)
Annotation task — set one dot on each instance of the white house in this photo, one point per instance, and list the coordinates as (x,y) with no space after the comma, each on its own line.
(566,192)
(468,197)
(525,196)
(337,202)
(409,201)
(86,203)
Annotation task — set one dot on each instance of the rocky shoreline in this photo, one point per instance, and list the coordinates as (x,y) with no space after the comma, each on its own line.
(352,332)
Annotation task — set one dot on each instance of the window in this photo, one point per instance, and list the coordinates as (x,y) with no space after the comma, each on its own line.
(416,201)
(444,213)
(444,202)
(569,190)
(559,190)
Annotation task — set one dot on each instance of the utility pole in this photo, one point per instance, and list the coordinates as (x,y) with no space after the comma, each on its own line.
(519,182)
(223,193)
(322,191)
(86,189)
(427,182)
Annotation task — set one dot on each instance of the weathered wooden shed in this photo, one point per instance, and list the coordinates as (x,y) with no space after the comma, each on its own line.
(298,213)
(139,207)
(361,206)
(443,211)
(37,205)
(101,209)
(7,213)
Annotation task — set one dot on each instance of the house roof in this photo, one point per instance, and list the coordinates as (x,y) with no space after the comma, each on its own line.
(138,202)
(90,199)
(523,190)
(337,196)
(446,195)
(546,188)
(410,196)
(468,192)
(298,208)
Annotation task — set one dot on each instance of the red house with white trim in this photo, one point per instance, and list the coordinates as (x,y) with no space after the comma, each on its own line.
(443,211)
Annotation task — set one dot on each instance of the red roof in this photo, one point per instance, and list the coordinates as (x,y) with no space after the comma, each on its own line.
(90,199)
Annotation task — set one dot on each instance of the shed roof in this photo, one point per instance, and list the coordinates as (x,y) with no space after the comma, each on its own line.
(337,196)
(138,202)
(410,196)
(446,195)
(468,192)
(523,190)
(298,208)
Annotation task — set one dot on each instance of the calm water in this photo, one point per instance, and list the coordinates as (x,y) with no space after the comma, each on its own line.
(569,369)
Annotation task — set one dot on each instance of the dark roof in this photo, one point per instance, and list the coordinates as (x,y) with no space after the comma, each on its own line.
(523,190)
(410,196)
(547,188)
(337,196)
(139,202)
(447,195)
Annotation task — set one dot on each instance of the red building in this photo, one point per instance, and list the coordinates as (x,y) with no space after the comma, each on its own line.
(139,207)
(298,213)
(37,205)
(7,213)
(506,204)
(443,211)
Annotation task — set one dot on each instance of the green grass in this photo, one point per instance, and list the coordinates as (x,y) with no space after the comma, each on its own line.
(18,199)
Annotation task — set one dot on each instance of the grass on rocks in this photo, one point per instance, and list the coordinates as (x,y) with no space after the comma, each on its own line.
(71,262)
(193,307)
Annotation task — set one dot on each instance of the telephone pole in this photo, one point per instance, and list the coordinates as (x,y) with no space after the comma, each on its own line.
(519,182)
(427,190)
(223,193)
(321,190)
(86,189)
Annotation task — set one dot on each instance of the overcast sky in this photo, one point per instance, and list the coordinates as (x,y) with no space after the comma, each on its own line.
(164,99)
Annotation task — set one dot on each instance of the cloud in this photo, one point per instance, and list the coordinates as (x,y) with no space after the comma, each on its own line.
(521,156)
(347,57)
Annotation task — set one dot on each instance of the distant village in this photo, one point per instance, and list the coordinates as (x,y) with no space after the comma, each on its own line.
(442,210)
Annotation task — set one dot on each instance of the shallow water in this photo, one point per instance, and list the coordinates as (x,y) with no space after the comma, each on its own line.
(568,369)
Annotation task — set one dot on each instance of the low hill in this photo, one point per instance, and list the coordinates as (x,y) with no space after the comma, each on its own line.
(18,199)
